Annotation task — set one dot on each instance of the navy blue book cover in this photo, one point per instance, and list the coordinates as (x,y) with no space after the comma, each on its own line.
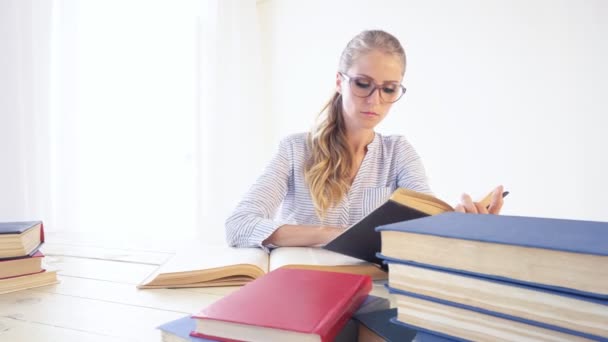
(425,335)
(17,227)
(589,237)
(182,328)
(379,323)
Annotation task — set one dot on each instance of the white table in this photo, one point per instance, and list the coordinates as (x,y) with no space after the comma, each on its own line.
(97,298)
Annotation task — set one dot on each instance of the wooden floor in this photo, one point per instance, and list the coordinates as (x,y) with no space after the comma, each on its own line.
(97,298)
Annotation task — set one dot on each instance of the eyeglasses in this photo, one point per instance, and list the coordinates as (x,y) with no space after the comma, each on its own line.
(363,86)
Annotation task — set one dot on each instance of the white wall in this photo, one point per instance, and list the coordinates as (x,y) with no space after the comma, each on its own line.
(499,92)
(24,78)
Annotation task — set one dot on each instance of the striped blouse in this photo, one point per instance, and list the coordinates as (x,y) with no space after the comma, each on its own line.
(390,162)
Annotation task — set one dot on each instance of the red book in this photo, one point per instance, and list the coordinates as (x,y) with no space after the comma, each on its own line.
(285,305)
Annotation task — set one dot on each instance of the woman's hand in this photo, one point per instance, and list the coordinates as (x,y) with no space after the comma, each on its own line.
(467,205)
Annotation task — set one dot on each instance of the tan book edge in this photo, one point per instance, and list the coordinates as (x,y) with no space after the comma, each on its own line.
(15,267)
(28,281)
(471,325)
(426,203)
(563,311)
(16,245)
(584,272)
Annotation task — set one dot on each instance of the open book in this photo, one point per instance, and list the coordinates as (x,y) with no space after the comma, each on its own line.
(217,265)
(363,242)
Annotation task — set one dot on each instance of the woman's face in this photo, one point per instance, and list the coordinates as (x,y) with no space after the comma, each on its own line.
(368,71)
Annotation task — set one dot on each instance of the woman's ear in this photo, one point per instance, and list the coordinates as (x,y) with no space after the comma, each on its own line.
(339,79)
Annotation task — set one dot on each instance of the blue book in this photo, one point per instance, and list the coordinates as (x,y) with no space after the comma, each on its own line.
(567,312)
(423,336)
(457,322)
(564,255)
(598,328)
(179,331)
(20,239)
(376,325)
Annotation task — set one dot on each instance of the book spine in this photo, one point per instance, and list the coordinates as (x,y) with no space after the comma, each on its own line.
(329,330)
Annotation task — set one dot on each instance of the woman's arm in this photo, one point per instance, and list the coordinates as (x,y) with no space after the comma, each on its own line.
(252,221)
(410,171)
(302,235)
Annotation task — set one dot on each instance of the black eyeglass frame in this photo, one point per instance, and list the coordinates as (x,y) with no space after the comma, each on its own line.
(373,89)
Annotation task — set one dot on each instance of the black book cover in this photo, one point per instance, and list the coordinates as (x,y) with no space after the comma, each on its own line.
(362,241)
(379,322)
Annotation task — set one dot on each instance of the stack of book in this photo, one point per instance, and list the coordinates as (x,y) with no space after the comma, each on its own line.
(20,260)
(284,305)
(489,277)
(179,330)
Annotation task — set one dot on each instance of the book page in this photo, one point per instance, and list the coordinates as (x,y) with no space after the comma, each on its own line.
(315,256)
(203,257)
(423,202)
(188,267)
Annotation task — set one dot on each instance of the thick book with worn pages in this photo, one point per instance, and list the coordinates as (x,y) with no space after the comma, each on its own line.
(206,266)
(20,266)
(179,330)
(286,305)
(28,281)
(563,255)
(573,314)
(463,324)
(18,239)
(363,242)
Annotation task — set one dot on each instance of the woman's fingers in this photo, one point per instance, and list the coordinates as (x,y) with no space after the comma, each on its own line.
(468,204)
(497,201)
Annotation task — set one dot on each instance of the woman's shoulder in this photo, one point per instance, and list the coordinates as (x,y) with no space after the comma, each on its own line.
(295,138)
(296,143)
(394,142)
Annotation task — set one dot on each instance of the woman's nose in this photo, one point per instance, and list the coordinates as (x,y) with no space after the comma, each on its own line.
(374,97)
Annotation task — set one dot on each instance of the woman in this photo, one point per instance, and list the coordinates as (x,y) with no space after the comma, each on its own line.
(328,179)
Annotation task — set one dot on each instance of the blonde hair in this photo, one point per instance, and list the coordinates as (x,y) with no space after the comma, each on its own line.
(329,167)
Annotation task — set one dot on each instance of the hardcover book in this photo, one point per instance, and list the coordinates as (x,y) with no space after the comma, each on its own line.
(28,281)
(179,330)
(570,313)
(20,266)
(19,239)
(564,255)
(363,242)
(467,325)
(206,266)
(286,305)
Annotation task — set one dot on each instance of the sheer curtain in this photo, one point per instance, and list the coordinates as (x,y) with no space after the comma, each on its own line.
(24,109)
(121,116)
